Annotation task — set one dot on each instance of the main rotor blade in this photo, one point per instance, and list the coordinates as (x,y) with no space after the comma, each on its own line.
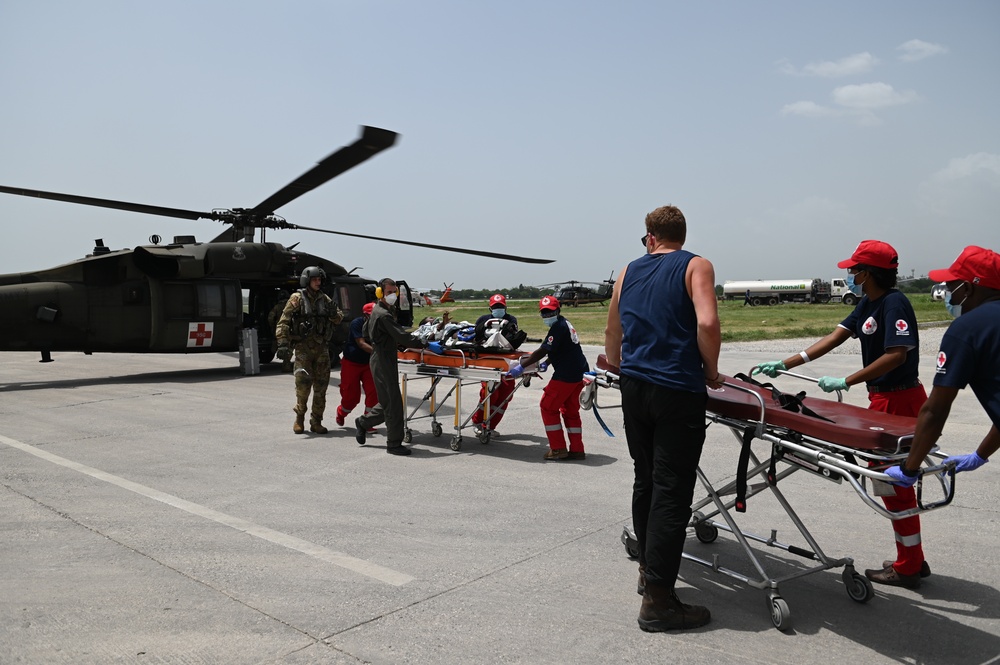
(109,203)
(373,141)
(476,252)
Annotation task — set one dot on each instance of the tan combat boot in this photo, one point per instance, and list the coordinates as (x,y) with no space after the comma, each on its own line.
(317,426)
(300,424)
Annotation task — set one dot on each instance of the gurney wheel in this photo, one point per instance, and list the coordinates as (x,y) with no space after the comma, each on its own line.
(859,588)
(484,435)
(408,436)
(436,429)
(705,532)
(456,443)
(781,616)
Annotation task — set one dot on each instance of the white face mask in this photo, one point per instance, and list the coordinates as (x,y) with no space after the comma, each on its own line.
(390,299)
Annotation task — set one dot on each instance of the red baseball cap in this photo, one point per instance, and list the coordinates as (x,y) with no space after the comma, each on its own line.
(975,264)
(548,302)
(367,309)
(874,253)
(498,298)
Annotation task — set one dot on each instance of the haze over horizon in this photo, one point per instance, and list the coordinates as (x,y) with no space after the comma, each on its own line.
(787,132)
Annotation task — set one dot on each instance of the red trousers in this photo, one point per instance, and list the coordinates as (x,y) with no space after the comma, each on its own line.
(562,398)
(909,551)
(353,377)
(498,401)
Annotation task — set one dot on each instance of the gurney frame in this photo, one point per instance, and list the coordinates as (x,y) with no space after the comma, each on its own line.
(822,458)
(465,373)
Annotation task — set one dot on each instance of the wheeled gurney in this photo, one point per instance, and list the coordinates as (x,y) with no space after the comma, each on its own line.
(834,441)
(457,368)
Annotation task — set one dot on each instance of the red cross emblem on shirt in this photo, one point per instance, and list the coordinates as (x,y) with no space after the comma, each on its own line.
(901,325)
(941,359)
(199,334)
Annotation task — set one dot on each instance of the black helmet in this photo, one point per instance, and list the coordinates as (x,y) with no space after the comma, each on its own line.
(310,272)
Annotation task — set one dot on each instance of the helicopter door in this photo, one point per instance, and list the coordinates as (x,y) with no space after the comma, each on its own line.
(404,306)
(195,316)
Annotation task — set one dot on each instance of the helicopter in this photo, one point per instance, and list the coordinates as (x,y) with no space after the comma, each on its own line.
(187,296)
(582,293)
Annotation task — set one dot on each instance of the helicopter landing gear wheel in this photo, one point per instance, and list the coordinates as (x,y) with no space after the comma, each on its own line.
(859,588)
(781,616)
(407,436)
(456,443)
(436,428)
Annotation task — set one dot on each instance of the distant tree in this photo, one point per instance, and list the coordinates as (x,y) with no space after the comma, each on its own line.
(718,290)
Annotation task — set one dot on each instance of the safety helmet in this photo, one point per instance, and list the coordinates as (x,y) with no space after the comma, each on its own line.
(497,299)
(548,302)
(310,272)
(367,309)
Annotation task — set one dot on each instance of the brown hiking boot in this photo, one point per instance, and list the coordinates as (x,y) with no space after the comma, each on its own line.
(662,610)
(890,577)
(556,454)
(300,424)
(317,427)
(925,570)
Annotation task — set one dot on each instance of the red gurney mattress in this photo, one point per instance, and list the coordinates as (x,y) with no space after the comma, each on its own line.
(850,426)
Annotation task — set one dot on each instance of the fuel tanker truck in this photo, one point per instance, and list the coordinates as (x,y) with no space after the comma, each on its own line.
(774,291)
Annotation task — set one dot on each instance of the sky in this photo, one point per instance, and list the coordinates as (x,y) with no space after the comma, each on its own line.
(786,132)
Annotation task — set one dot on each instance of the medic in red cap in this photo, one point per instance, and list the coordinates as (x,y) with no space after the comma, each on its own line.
(561,396)
(969,356)
(886,326)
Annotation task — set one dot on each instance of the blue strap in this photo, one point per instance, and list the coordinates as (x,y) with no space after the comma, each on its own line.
(601,421)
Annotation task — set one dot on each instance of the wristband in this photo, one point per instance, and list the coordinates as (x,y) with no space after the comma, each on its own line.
(804,356)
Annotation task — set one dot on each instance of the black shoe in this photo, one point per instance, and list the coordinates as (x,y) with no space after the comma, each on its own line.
(662,611)
(925,569)
(398,450)
(359,432)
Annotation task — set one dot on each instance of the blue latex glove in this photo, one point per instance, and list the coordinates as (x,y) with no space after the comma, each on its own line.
(436,347)
(542,366)
(969,462)
(515,371)
(829,383)
(770,369)
(900,478)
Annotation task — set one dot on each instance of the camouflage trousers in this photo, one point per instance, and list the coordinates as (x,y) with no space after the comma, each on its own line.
(312,373)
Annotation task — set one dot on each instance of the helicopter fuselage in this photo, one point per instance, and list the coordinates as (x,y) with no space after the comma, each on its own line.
(186,297)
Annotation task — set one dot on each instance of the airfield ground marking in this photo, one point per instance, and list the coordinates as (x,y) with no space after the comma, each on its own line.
(360,566)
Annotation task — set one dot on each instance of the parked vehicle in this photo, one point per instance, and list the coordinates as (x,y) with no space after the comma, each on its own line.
(772,292)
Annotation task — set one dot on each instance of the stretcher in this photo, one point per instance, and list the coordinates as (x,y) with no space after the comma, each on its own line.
(831,440)
(454,370)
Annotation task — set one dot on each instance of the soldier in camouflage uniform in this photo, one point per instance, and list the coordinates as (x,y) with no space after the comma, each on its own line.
(308,323)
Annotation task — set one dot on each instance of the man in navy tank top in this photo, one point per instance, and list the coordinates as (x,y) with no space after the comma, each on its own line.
(663,332)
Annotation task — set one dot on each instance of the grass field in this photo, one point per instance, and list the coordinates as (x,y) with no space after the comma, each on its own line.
(739,323)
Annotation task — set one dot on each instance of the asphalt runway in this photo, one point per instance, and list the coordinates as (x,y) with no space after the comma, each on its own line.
(160,509)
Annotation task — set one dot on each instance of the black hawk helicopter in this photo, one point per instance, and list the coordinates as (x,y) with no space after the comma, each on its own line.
(576,293)
(187,296)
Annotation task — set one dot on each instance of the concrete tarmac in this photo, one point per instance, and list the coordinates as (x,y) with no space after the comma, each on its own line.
(159,509)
